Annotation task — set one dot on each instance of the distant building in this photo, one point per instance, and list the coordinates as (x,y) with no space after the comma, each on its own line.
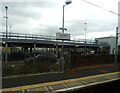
(110,40)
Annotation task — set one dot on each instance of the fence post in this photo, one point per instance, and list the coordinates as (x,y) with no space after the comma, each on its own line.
(116,47)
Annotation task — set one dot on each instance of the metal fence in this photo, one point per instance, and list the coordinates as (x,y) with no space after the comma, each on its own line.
(41,37)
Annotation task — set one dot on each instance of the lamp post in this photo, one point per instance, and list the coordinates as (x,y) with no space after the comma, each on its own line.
(6,45)
(6,7)
(85,38)
(62,57)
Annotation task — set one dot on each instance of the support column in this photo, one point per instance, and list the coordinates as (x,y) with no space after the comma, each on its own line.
(10,49)
(30,50)
(6,52)
(68,50)
(46,50)
(27,50)
(34,57)
(98,50)
(24,49)
(34,50)
(57,50)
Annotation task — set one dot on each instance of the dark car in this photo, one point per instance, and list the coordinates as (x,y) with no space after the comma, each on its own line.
(43,57)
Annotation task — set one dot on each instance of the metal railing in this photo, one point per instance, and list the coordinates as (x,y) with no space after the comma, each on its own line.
(41,37)
(26,36)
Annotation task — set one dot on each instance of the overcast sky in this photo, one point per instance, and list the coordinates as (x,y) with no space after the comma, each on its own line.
(44,17)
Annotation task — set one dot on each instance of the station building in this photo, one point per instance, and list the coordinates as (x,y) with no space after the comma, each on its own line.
(108,40)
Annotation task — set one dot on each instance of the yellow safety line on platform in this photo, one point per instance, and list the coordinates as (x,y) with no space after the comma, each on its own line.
(55,83)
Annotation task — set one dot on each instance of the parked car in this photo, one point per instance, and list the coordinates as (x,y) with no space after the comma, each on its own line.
(43,57)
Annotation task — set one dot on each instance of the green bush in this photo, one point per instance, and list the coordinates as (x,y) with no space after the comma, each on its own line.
(54,67)
(28,68)
(8,70)
(83,60)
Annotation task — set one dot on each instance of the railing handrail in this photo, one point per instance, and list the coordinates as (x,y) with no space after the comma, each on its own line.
(41,37)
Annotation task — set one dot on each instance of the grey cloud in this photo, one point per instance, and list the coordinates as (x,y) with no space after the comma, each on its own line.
(20,13)
(100,24)
(23,10)
(93,25)
(49,30)
(75,27)
(42,4)
(14,20)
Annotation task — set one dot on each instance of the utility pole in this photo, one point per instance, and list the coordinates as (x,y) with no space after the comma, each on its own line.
(116,47)
(62,55)
(85,39)
(6,45)
(63,28)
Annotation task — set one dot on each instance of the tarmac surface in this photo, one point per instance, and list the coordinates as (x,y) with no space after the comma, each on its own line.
(9,82)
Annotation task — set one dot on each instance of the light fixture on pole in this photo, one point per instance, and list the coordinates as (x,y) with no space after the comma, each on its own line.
(85,38)
(62,58)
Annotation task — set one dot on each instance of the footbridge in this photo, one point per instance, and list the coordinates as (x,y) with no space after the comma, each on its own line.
(28,39)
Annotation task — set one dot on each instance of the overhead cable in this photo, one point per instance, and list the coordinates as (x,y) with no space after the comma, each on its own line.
(101,7)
